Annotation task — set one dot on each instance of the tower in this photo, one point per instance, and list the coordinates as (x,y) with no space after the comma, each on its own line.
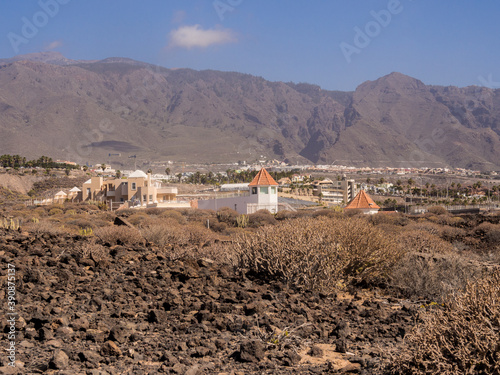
(263,193)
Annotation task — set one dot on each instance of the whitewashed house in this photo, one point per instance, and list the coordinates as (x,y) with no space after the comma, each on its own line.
(262,195)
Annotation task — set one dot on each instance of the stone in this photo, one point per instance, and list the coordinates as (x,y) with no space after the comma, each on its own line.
(352,368)
(59,361)
(90,356)
(316,351)
(109,348)
(118,334)
(251,351)
(95,335)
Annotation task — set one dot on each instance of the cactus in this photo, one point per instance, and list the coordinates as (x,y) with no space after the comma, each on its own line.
(10,224)
(242,221)
(86,232)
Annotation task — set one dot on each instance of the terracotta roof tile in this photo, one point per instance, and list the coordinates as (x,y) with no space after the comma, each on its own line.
(263,178)
(362,201)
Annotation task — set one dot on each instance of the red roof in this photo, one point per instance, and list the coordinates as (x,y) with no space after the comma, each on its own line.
(362,201)
(263,178)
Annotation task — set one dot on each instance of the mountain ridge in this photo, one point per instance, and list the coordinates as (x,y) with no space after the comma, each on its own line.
(86,110)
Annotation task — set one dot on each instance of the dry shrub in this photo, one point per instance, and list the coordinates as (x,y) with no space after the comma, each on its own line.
(389,218)
(421,241)
(432,276)
(431,228)
(199,235)
(452,221)
(43,226)
(137,218)
(40,211)
(81,222)
(390,229)
(119,234)
(168,233)
(218,226)
(437,210)
(55,211)
(173,214)
(260,218)
(326,212)
(453,234)
(353,212)
(285,214)
(318,253)
(234,232)
(488,232)
(90,250)
(463,337)
(154,211)
(227,215)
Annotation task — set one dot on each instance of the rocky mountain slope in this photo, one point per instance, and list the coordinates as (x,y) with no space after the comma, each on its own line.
(85,111)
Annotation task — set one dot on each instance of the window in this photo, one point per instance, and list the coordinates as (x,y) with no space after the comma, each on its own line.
(88,192)
(254,190)
(264,190)
(151,197)
(134,186)
(273,190)
(144,198)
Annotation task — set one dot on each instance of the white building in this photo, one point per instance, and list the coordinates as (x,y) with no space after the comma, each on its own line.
(262,195)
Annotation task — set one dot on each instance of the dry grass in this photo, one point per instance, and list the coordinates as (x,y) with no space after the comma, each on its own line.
(463,337)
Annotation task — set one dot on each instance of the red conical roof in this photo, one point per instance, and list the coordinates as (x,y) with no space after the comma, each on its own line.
(263,178)
(362,201)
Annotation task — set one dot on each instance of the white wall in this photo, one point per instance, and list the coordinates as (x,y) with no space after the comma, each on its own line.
(236,203)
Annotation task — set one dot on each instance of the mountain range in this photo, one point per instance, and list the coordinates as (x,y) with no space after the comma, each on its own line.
(109,110)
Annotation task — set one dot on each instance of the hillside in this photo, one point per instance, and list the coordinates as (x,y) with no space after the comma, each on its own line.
(84,111)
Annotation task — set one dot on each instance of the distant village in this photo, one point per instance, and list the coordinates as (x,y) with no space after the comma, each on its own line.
(277,186)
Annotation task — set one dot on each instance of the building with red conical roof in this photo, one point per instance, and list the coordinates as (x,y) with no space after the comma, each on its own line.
(262,195)
(364,203)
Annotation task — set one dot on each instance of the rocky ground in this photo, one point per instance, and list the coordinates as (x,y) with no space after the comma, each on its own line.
(130,310)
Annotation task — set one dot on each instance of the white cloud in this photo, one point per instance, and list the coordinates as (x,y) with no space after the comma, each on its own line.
(53,45)
(194,36)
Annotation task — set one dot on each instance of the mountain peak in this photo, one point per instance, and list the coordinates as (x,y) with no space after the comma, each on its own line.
(392,80)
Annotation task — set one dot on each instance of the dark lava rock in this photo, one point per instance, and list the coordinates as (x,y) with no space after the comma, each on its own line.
(251,351)
(316,351)
(109,348)
(59,361)
(119,334)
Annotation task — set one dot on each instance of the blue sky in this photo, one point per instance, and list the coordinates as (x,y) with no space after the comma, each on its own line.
(336,44)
